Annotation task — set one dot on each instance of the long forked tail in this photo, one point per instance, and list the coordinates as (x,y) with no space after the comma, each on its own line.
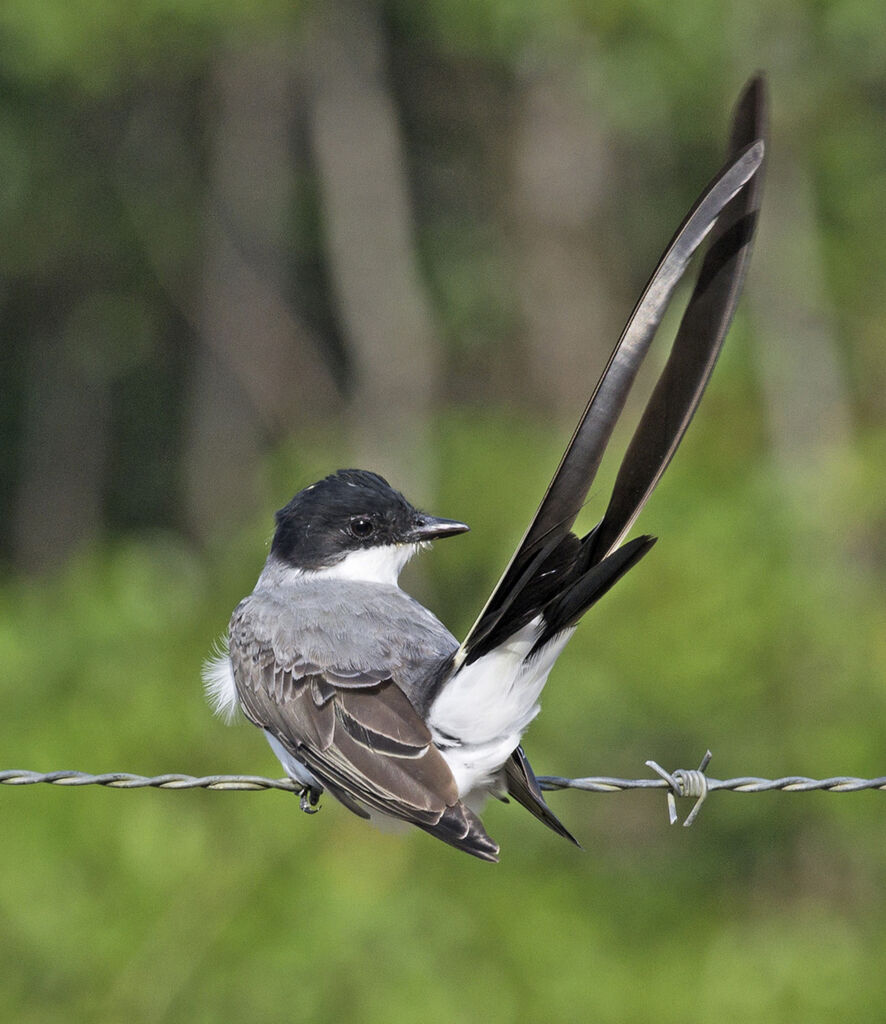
(555,574)
(727,211)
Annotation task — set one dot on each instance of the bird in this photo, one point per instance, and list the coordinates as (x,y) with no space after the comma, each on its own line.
(359,689)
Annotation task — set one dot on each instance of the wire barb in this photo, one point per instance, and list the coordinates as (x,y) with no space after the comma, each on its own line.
(684,782)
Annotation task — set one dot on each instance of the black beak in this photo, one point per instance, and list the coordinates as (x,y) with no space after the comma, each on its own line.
(432,528)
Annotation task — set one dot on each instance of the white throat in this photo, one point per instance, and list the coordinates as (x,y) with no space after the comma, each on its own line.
(370,565)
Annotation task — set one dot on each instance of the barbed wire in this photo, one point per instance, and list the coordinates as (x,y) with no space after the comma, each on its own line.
(682,782)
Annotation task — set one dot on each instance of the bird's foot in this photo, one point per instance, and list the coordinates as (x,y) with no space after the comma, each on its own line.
(308,799)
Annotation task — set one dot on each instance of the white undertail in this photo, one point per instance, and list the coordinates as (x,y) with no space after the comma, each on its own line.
(481,714)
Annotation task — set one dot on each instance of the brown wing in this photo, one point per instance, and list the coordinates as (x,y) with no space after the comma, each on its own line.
(366,744)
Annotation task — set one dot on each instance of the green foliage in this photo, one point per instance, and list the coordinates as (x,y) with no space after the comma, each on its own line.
(99,45)
(748,629)
(755,627)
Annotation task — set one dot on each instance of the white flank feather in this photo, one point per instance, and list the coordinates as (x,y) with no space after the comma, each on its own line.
(218,682)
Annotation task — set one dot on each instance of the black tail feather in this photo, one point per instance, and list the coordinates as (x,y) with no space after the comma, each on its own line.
(524,788)
(698,342)
(569,607)
(727,209)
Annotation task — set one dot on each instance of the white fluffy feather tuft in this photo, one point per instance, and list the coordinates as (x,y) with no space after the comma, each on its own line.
(218,682)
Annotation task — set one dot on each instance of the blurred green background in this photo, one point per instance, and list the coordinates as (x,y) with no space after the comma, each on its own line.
(245,245)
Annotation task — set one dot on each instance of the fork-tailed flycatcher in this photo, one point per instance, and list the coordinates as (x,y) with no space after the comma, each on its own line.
(359,689)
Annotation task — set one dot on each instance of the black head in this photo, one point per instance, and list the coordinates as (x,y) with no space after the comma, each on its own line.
(351,510)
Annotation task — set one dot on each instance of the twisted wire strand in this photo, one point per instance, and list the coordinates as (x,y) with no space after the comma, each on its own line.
(126,780)
(590,784)
(743,784)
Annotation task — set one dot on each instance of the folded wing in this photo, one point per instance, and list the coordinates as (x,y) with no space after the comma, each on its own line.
(357,734)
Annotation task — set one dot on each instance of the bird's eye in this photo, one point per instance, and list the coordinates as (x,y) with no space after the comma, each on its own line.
(361,527)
